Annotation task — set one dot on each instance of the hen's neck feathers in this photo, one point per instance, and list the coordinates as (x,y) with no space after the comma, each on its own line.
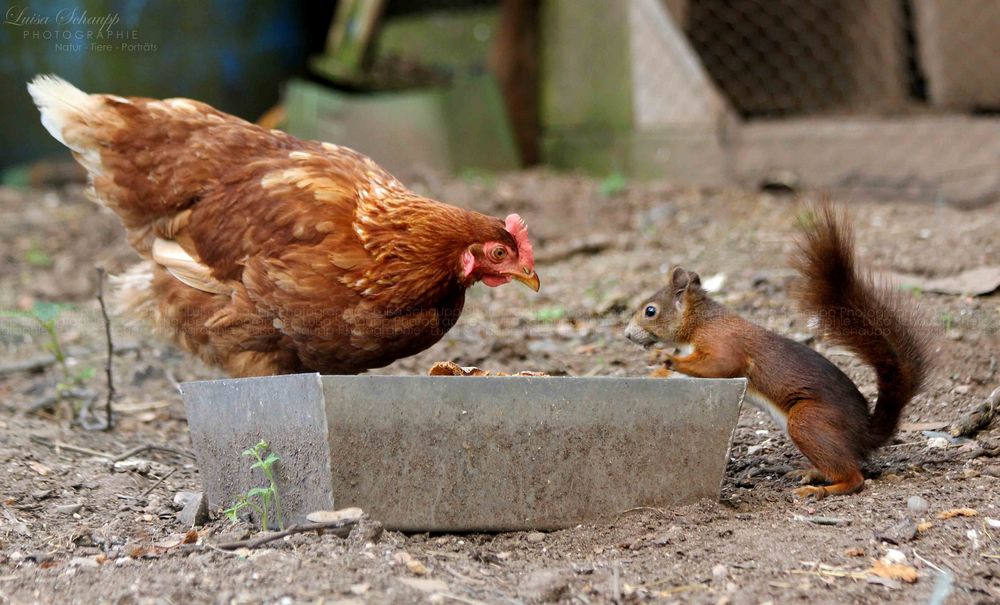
(417,244)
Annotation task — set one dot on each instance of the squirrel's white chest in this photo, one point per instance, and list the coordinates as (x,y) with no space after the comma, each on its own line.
(764,404)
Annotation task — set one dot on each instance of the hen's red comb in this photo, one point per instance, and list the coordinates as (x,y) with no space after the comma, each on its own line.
(516,227)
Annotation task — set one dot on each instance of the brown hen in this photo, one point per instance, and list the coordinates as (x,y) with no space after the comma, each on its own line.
(267,254)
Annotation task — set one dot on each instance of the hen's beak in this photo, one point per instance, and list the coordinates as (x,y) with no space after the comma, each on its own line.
(528,277)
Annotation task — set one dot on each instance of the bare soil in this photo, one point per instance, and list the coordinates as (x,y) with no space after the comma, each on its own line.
(73,529)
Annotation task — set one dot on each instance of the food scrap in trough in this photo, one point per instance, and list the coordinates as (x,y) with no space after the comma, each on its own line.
(450,368)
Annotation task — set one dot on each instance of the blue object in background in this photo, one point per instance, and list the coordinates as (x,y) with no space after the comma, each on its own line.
(233,55)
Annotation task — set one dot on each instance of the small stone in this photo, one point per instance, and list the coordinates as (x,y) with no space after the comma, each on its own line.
(416,567)
(970,473)
(954,334)
(68,509)
(83,562)
(899,533)
(40,557)
(41,494)
(937,443)
(195,512)
(893,556)
(993,470)
(535,537)
(346,515)
(365,531)
(132,464)
(917,505)
(181,499)
(719,572)
(359,589)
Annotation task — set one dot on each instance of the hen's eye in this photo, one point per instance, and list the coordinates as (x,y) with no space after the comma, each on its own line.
(650,311)
(498,253)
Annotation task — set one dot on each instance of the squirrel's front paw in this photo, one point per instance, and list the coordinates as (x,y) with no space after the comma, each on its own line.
(660,357)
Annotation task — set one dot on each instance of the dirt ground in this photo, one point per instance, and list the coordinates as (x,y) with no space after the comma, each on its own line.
(74,529)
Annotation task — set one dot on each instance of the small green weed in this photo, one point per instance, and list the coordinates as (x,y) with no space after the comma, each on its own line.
(47,316)
(261,500)
(36,256)
(613,184)
(72,385)
(550,314)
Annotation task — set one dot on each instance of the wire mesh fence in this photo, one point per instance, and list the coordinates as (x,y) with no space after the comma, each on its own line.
(786,57)
(895,97)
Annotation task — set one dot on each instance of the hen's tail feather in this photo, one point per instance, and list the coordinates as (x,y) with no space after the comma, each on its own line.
(872,322)
(59,103)
(65,109)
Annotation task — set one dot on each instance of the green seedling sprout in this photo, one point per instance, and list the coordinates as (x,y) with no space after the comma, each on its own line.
(46,315)
(266,496)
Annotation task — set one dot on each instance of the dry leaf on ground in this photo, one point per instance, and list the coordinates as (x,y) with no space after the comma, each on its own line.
(894,571)
(957,512)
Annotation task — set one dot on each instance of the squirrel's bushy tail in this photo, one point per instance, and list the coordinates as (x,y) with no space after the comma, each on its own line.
(854,313)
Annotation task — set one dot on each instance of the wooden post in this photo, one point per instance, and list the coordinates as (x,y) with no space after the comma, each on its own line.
(514,62)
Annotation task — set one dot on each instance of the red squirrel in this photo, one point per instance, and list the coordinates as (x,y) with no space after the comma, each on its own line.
(817,405)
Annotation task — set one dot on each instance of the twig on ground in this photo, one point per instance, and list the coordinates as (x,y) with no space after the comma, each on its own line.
(906,444)
(340,528)
(833,573)
(461,599)
(157,484)
(835,521)
(145,406)
(112,457)
(47,402)
(32,364)
(59,445)
(979,418)
(86,397)
(944,585)
(637,509)
(585,246)
(111,349)
(150,446)
(169,375)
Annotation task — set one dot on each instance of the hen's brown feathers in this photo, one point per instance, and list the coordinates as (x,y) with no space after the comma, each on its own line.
(270,254)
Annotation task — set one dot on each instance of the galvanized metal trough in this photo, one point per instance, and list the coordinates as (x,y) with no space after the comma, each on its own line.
(463,454)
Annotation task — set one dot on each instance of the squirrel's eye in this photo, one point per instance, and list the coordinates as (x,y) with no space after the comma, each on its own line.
(498,253)
(650,311)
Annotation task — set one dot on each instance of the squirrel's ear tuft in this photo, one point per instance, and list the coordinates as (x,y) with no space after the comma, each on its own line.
(682,279)
(679,278)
